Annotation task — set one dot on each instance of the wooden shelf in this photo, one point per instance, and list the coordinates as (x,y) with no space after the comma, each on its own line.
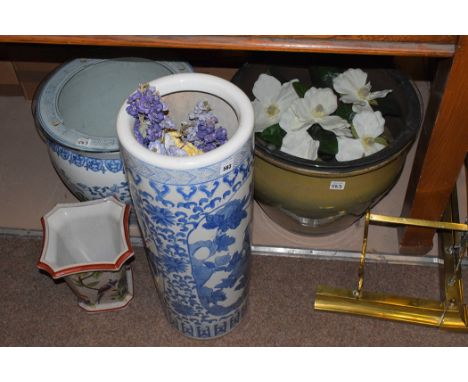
(434,46)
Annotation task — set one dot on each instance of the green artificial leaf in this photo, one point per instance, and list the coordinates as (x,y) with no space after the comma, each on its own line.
(388,106)
(328,146)
(315,131)
(381,140)
(354,132)
(345,111)
(273,134)
(322,76)
(387,135)
(299,88)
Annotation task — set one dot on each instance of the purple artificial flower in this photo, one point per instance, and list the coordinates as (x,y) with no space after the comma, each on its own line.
(221,135)
(168,147)
(152,125)
(157,147)
(149,111)
(202,131)
(136,131)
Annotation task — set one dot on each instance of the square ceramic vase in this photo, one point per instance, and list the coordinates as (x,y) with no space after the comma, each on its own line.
(88,245)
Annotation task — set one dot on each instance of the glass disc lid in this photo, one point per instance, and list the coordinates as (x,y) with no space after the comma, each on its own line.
(78,105)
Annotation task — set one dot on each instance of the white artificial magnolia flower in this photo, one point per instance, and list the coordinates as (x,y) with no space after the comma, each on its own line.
(300,144)
(368,125)
(315,107)
(272,99)
(354,88)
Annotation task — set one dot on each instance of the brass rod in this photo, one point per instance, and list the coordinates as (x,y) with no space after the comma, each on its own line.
(451,313)
(418,222)
(363,255)
(461,251)
(395,308)
(453,247)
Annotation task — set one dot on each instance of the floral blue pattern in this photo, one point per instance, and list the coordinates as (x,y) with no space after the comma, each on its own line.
(89,163)
(163,216)
(82,188)
(196,232)
(86,192)
(120,191)
(229,217)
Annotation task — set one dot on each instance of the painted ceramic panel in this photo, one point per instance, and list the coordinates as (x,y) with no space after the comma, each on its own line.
(102,290)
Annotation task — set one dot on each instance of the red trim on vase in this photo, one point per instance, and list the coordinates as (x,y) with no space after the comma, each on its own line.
(43,234)
(126,223)
(94,266)
(86,268)
(40,264)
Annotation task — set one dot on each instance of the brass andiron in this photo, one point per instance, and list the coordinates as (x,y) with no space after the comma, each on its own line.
(448,314)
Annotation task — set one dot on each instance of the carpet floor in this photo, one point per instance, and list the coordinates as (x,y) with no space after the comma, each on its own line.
(37,311)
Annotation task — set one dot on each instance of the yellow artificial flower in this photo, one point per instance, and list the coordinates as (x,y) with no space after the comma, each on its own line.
(188,147)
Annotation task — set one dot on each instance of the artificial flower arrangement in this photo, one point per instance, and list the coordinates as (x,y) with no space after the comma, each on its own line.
(338,121)
(155,130)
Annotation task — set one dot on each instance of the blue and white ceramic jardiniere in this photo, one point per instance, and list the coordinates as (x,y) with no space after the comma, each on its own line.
(90,176)
(75,110)
(195,212)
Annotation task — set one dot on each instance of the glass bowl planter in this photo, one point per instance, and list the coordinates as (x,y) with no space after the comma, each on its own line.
(318,197)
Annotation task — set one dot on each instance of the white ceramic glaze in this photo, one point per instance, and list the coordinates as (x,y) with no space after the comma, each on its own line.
(195,212)
(87,243)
